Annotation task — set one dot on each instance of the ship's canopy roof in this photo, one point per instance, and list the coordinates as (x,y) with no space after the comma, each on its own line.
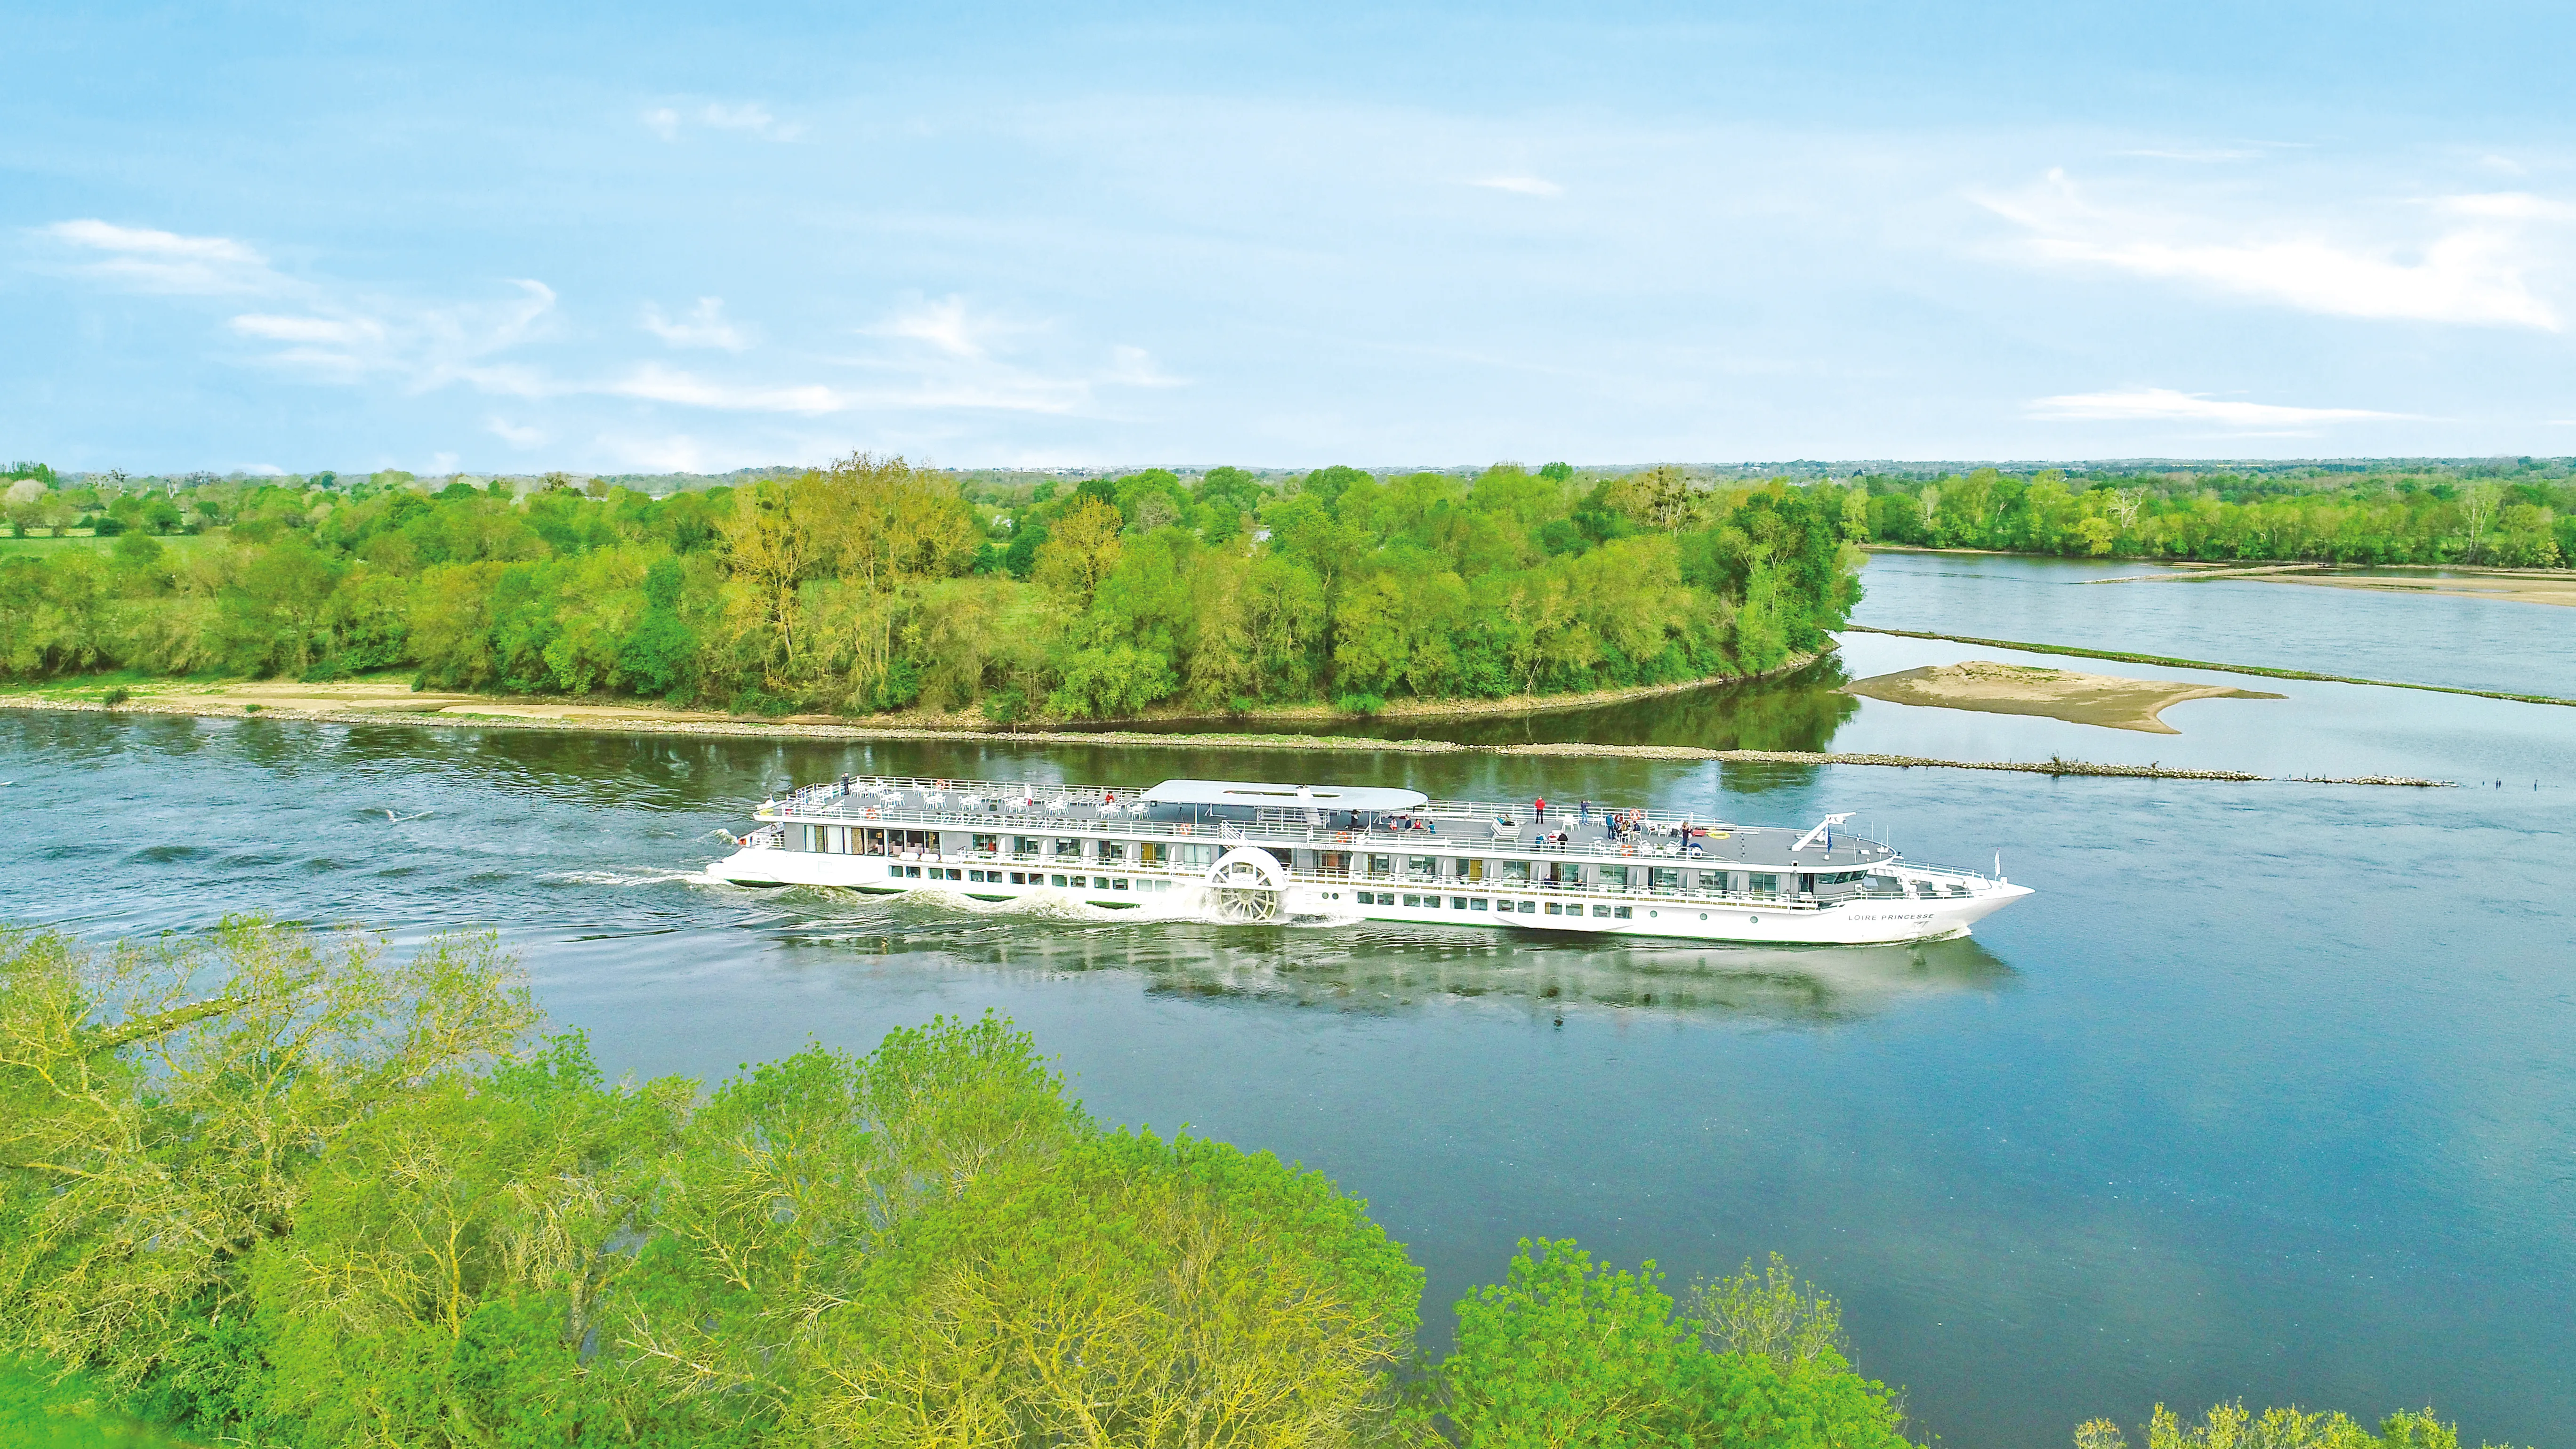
(1283,797)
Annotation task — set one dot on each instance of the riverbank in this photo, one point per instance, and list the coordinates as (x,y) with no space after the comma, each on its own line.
(393,694)
(720,726)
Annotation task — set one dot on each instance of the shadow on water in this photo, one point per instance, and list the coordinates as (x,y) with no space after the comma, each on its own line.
(1796,711)
(1381,968)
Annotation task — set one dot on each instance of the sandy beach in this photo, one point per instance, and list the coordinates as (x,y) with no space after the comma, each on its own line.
(2094,699)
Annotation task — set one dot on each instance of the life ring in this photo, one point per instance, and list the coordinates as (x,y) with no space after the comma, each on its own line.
(1180,830)
(869,813)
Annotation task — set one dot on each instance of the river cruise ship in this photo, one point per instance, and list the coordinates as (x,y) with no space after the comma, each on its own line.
(1239,851)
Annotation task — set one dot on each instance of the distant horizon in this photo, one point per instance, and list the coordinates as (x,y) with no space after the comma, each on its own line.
(1750,468)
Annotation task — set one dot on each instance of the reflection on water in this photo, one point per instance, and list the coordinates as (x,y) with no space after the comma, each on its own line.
(1377,967)
(1795,711)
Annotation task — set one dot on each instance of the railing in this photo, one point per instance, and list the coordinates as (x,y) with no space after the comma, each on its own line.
(847,810)
(1043,792)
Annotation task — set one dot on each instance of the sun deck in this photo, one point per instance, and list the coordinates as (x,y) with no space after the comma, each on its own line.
(1371,820)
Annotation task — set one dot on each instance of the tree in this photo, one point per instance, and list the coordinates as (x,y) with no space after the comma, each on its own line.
(2230,1426)
(1080,550)
(160,1110)
(1565,1352)
(1134,1292)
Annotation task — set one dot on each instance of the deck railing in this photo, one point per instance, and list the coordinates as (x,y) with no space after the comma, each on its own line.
(829,804)
(1040,793)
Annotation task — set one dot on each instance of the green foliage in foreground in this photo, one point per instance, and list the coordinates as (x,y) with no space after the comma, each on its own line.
(874,585)
(45,1410)
(277,1189)
(2232,1426)
(1566,1352)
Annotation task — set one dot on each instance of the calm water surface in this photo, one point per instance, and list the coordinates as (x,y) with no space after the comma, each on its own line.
(2268,1092)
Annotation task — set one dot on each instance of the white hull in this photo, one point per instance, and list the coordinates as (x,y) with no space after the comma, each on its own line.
(1956,902)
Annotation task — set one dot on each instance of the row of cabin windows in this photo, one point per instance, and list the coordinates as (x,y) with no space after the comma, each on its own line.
(1483,903)
(1160,855)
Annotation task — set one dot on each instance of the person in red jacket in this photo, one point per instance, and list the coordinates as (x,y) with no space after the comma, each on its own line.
(1542,812)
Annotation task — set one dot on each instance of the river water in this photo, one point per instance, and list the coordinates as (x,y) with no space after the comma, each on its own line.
(2269,1092)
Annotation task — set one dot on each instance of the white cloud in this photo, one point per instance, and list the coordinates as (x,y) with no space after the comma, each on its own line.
(516,435)
(421,347)
(320,331)
(704,326)
(1134,367)
(657,383)
(2476,270)
(2201,154)
(2163,404)
(943,324)
(1523,185)
(678,453)
(165,261)
(749,117)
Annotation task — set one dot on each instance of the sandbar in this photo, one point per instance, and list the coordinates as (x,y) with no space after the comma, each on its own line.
(2552,586)
(1988,687)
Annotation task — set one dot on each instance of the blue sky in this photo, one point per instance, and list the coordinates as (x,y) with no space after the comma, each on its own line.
(634,238)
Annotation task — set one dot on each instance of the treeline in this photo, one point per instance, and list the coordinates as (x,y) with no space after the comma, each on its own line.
(2509,518)
(282,1190)
(872,585)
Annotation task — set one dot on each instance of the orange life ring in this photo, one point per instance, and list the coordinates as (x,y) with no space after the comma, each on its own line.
(1180,830)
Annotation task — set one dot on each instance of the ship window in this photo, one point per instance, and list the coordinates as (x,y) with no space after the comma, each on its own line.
(1381,865)
(1198,857)
(1516,871)
(1413,900)
(1068,848)
(1119,884)
(1602,911)
(1765,885)
(988,845)
(807,836)
(1421,866)
(1055,880)
(1614,877)
(1665,877)
(1478,904)
(1024,847)
(1113,851)
(1554,909)
(1624,912)
(1712,880)
(1529,908)
(1457,903)
(1019,877)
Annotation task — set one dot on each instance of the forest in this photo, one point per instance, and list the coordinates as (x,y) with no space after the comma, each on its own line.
(2510,516)
(284,1189)
(874,585)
